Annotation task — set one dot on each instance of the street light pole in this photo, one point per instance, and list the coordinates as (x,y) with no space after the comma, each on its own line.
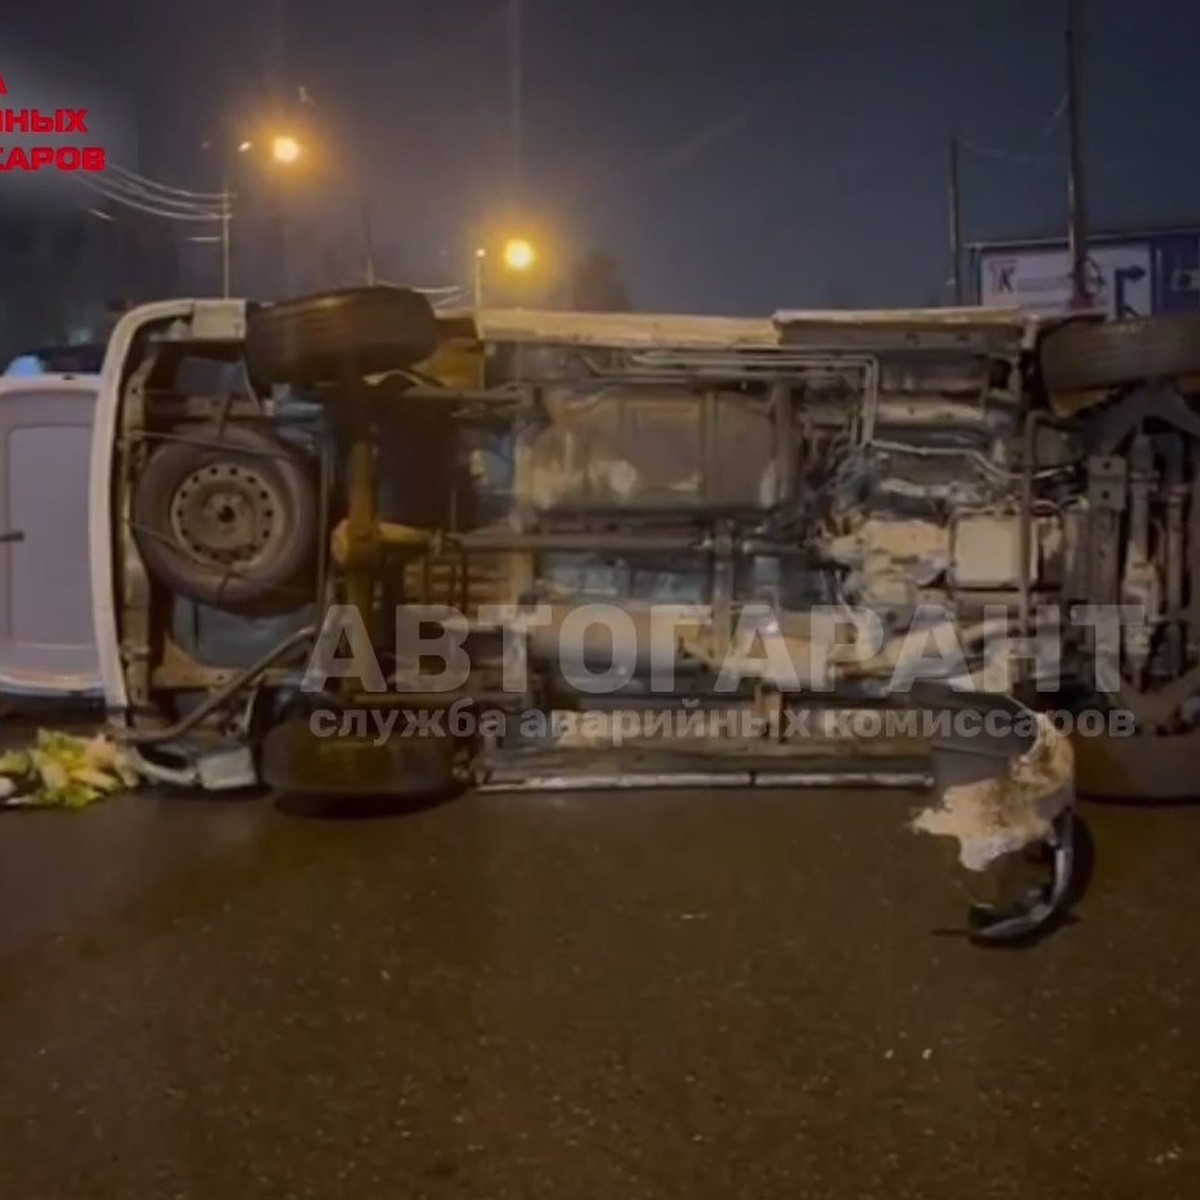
(226,249)
(480,255)
(956,237)
(368,242)
(1081,290)
(516,81)
(281,227)
(283,150)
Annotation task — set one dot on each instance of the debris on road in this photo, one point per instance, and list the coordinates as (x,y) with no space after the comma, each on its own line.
(64,771)
(994,817)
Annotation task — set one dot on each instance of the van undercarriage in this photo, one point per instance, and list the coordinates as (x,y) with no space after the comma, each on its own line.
(795,552)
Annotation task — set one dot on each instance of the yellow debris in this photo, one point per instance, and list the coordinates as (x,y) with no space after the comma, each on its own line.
(65,771)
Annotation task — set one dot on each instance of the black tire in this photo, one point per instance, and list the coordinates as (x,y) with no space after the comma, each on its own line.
(987,923)
(1141,769)
(1084,356)
(339,767)
(317,339)
(270,479)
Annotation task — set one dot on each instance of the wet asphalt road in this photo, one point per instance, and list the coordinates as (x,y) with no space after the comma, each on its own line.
(721,995)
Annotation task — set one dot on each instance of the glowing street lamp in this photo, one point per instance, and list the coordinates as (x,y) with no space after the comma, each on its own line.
(285,149)
(516,255)
(519,255)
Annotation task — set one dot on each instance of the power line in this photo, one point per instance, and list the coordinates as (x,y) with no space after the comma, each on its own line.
(1025,158)
(128,201)
(684,152)
(1058,115)
(1016,157)
(140,193)
(169,204)
(154,185)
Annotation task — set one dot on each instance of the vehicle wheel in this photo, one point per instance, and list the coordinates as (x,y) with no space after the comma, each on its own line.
(316,339)
(1142,768)
(1086,355)
(231,523)
(1035,891)
(347,766)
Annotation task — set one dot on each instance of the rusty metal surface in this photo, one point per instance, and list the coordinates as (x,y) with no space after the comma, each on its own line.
(649,449)
(659,329)
(632,330)
(899,461)
(967,317)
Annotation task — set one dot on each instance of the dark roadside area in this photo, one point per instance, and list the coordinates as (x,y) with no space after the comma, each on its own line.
(658,995)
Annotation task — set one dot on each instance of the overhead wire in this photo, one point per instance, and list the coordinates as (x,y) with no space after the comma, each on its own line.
(140,193)
(1059,113)
(133,202)
(175,209)
(1009,156)
(1031,157)
(1025,158)
(146,195)
(153,185)
(128,189)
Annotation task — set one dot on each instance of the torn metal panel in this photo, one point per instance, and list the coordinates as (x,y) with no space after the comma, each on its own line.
(966,331)
(1000,813)
(892,560)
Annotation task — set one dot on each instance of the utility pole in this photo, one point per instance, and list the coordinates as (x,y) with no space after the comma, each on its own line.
(368,243)
(279,86)
(480,257)
(516,105)
(281,228)
(516,90)
(1081,291)
(956,246)
(226,241)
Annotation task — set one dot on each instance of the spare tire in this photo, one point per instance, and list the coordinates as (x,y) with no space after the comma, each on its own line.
(1084,356)
(318,339)
(229,519)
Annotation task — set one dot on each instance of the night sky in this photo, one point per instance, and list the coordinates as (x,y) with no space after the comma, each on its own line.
(735,155)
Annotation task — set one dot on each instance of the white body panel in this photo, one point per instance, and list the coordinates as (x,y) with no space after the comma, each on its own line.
(47,636)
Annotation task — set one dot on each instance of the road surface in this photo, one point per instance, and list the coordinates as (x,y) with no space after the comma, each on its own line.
(617,996)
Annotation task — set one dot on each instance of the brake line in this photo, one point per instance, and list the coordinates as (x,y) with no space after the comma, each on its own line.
(222,696)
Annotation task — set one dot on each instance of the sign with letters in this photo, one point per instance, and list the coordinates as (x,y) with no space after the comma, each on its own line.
(1039,279)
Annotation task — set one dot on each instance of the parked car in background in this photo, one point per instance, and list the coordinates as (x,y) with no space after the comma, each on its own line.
(84,359)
